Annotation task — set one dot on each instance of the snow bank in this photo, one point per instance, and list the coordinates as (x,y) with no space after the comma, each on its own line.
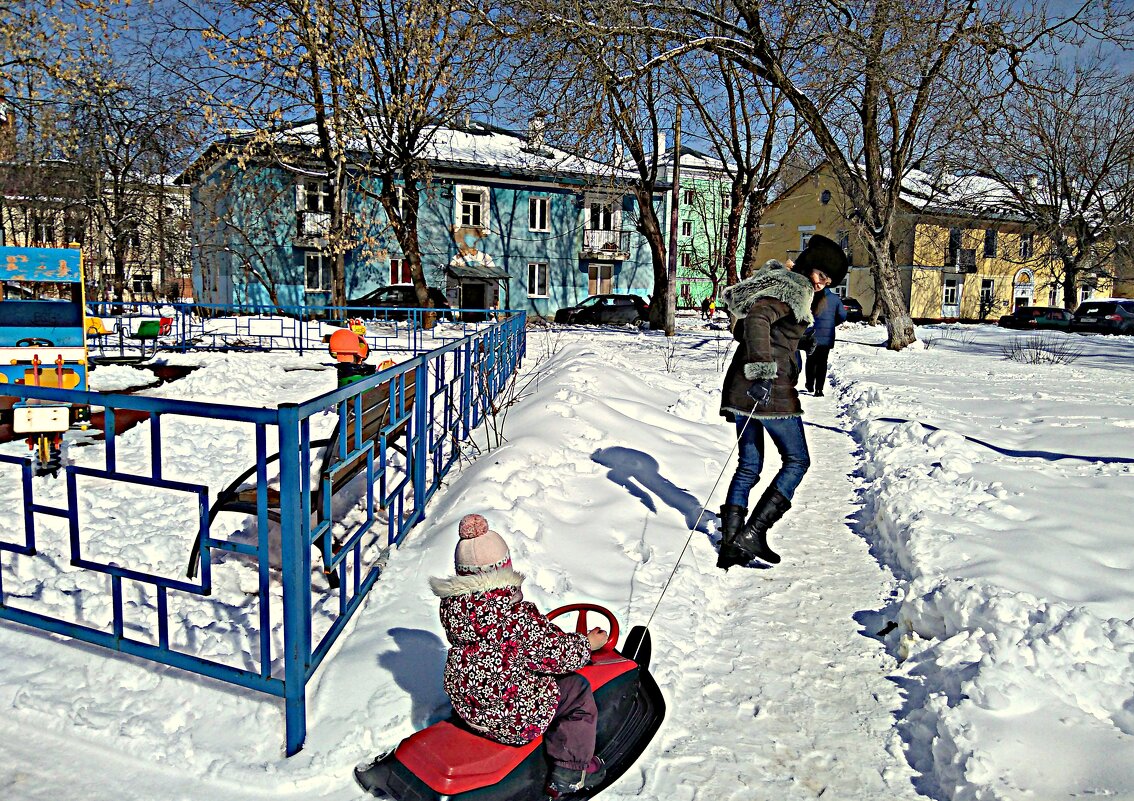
(1011,530)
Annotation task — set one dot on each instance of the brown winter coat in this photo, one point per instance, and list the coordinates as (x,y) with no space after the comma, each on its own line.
(770,311)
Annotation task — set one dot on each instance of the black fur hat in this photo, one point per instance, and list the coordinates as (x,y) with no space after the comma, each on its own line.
(823,254)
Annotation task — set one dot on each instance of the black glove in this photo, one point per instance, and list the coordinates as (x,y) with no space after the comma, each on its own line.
(761,391)
(807,344)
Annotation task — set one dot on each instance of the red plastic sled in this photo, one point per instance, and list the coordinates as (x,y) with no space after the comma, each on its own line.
(449,761)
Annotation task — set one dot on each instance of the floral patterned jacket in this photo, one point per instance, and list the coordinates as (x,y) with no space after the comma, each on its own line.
(503,655)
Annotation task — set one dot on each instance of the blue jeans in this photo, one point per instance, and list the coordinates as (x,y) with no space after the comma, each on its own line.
(787,434)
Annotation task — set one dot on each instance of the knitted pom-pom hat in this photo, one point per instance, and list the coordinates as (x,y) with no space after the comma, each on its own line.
(480,550)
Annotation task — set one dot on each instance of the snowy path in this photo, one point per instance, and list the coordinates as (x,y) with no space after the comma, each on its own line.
(796,704)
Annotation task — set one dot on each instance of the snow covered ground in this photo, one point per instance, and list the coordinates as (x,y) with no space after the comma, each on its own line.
(980,505)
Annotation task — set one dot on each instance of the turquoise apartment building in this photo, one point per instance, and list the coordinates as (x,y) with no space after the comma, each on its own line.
(702,213)
(504,221)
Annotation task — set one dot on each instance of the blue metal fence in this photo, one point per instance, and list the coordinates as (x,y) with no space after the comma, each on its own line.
(120,330)
(308,490)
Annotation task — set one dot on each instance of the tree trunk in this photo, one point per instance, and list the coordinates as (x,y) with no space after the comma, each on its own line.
(651,229)
(751,239)
(899,323)
(404,223)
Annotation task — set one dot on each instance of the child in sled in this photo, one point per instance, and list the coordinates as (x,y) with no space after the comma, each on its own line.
(509,670)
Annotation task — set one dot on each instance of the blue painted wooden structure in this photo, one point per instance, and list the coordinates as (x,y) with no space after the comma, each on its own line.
(460,378)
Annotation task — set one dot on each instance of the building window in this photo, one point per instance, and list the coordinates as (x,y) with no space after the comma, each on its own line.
(825,198)
(471,208)
(318,272)
(1026,246)
(315,196)
(726,201)
(142,285)
(600,279)
(686,260)
(43,228)
(537,214)
(987,291)
(949,295)
(687,228)
(602,216)
(688,197)
(1053,298)
(804,238)
(537,279)
(990,237)
(1084,294)
(74,229)
(400,271)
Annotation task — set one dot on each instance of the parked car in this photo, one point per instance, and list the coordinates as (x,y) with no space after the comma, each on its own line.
(1113,316)
(854,310)
(606,310)
(1037,317)
(400,296)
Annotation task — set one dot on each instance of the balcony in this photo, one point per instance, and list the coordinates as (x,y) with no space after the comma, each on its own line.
(606,245)
(311,227)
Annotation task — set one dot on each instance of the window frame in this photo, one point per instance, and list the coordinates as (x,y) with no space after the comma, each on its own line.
(539,207)
(482,206)
(535,268)
(325,268)
(991,243)
(687,228)
(952,285)
(1027,246)
(987,289)
(396,278)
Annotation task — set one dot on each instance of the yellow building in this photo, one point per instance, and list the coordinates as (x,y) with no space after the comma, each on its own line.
(960,256)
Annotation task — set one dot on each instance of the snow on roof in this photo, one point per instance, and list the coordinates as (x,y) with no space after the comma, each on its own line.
(695,160)
(964,195)
(480,146)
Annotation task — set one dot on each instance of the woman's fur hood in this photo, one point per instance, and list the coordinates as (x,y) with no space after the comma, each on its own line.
(478,582)
(775,281)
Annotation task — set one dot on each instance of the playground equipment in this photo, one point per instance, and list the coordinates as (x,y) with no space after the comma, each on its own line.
(43,344)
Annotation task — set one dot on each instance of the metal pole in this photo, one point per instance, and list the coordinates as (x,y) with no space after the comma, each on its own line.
(296,556)
(671,296)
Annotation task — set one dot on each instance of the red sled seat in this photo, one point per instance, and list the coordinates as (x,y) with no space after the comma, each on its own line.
(452,759)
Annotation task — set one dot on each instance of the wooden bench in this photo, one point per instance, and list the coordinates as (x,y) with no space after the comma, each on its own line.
(335,472)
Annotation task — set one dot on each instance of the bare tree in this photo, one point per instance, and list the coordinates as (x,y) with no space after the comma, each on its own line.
(1062,156)
(576,76)
(881,86)
(377,78)
(753,132)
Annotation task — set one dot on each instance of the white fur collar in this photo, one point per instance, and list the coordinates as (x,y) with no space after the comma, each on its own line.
(478,582)
(771,282)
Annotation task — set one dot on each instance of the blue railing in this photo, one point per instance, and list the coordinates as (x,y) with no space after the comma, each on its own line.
(196,326)
(307,486)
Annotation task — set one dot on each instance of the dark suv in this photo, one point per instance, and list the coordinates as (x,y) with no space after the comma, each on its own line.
(400,296)
(606,310)
(1114,316)
(1037,317)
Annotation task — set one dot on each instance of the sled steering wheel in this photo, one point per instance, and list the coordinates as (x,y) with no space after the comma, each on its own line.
(34,342)
(581,624)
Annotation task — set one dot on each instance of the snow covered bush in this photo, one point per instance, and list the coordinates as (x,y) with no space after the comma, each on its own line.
(1047,348)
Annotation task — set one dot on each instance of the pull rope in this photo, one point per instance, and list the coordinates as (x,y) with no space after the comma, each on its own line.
(689,539)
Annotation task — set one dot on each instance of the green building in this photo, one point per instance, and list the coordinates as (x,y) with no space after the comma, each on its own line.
(702,226)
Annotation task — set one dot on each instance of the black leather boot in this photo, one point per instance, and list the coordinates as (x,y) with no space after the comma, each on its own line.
(732,520)
(751,542)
